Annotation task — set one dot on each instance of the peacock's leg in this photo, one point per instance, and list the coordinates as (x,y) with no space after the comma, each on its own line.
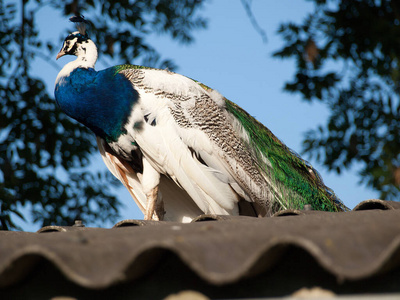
(150,182)
(151,203)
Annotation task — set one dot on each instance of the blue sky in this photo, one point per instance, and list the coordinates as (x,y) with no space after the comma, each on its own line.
(231,57)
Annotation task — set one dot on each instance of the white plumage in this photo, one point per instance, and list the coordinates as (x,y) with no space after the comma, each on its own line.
(166,149)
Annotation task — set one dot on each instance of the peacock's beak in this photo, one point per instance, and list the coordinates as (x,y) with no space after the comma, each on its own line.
(61,53)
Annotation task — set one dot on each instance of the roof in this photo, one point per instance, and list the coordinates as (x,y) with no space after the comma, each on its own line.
(293,249)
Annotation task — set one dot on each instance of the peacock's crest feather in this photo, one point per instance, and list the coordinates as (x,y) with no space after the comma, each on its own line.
(81,24)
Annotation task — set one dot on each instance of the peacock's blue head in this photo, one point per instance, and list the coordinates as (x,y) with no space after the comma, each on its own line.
(73,44)
(77,42)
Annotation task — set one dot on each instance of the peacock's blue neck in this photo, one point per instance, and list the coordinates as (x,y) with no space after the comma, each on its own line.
(102,100)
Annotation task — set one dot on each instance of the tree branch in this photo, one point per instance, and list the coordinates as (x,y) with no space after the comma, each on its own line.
(260,31)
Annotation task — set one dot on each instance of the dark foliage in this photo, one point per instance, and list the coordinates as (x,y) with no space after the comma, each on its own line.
(347,55)
(43,153)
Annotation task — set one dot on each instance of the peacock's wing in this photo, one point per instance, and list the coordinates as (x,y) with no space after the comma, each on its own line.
(124,172)
(178,205)
(187,134)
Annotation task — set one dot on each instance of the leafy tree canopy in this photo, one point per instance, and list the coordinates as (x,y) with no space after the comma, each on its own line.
(43,152)
(347,56)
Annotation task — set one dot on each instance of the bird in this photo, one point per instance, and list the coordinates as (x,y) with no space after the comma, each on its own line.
(180,147)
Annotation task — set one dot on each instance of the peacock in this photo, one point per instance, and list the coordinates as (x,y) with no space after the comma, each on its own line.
(179,147)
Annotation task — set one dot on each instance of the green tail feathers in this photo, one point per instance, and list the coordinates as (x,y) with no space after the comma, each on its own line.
(297,181)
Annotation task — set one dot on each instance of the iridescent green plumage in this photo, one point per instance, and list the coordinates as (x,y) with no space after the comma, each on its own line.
(121,68)
(298,182)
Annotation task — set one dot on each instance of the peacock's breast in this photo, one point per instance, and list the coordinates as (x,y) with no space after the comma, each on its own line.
(102,101)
